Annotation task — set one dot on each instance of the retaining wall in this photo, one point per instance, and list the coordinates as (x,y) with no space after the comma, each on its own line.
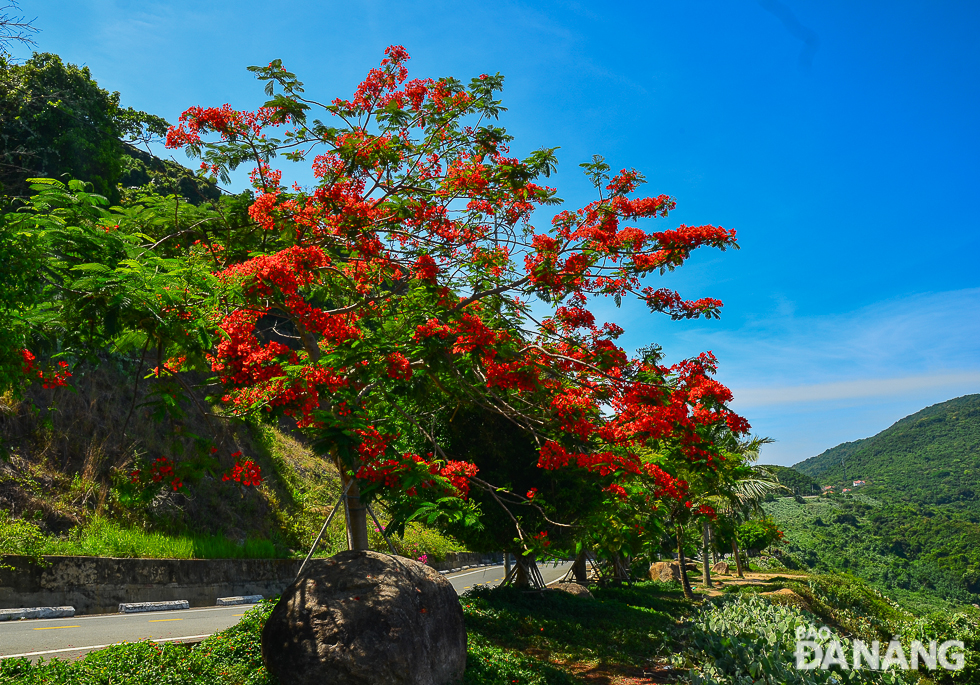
(98,585)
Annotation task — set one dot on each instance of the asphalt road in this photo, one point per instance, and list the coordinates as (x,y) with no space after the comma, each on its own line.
(68,638)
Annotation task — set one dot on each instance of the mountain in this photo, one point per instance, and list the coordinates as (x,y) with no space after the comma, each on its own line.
(914,530)
(931,457)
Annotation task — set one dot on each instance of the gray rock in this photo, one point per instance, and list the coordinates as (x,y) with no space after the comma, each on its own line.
(365,618)
(667,571)
(721,568)
(574,589)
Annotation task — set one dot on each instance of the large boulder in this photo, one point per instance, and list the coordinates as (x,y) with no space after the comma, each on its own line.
(667,571)
(364,618)
(721,568)
(574,589)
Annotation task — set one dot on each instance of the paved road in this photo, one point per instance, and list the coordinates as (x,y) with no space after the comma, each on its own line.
(67,638)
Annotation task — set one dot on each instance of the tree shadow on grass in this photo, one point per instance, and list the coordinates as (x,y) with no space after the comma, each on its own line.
(623,628)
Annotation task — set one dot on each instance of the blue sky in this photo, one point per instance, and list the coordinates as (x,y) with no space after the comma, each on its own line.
(840,141)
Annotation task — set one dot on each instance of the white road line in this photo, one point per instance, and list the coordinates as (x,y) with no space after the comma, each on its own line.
(91,647)
(470,573)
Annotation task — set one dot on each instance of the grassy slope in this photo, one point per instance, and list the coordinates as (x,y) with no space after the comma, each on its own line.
(64,480)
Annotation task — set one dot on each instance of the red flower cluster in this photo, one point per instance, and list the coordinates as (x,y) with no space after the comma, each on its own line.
(618,490)
(426,269)
(458,474)
(392,471)
(246,472)
(162,469)
(512,376)
(399,367)
(431,328)
(49,379)
(224,120)
(28,363)
(669,302)
(705,510)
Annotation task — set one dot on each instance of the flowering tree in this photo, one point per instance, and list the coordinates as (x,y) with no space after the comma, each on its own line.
(397,290)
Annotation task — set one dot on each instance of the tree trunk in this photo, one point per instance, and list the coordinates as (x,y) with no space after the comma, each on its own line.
(580,569)
(738,559)
(713,543)
(682,560)
(620,570)
(357,535)
(506,564)
(705,559)
(527,574)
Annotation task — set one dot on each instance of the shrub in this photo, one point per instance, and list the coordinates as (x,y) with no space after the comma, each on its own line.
(749,640)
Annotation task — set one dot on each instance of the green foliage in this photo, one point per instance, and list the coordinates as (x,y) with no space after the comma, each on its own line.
(852,608)
(923,556)
(748,640)
(798,482)
(102,537)
(145,175)
(949,626)
(758,533)
(55,121)
(847,604)
(18,536)
(488,664)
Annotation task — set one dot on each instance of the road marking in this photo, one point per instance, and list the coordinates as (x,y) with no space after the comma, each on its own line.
(164,620)
(470,573)
(57,627)
(233,615)
(123,617)
(91,647)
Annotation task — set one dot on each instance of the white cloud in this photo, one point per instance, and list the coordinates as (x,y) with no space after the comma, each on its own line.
(927,335)
(845,390)
(814,381)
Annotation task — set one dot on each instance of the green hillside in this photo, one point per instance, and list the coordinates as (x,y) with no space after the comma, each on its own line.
(913,531)
(930,457)
(798,483)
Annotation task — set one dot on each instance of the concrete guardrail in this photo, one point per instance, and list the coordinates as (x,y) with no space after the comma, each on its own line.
(36,612)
